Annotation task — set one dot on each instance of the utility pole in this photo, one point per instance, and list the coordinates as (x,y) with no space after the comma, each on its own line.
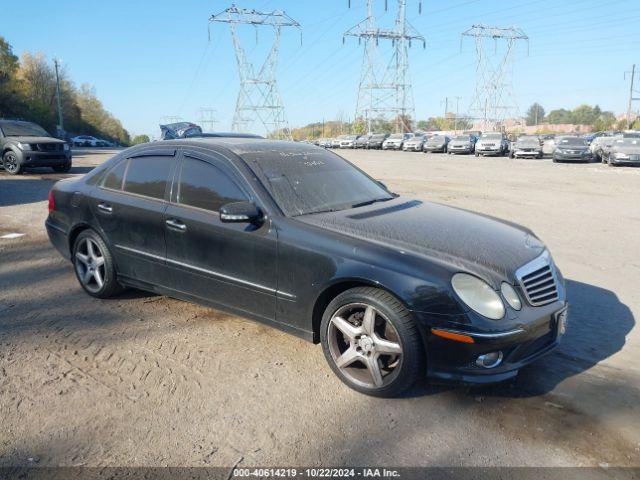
(207,118)
(385,91)
(58,99)
(259,98)
(455,120)
(446,106)
(631,98)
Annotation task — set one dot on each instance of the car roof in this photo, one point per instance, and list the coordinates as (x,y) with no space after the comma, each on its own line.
(239,145)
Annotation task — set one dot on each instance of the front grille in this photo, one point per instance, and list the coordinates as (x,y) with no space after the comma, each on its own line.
(538,281)
(49,147)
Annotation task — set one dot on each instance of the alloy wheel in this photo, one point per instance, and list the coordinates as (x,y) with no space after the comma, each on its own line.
(364,345)
(11,162)
(90,265)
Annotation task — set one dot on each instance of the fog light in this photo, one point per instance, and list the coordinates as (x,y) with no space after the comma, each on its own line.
(489,360)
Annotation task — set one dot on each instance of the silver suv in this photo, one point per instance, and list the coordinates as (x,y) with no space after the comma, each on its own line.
(492,143)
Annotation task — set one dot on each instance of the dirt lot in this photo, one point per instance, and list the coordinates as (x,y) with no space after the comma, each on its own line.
(147,380)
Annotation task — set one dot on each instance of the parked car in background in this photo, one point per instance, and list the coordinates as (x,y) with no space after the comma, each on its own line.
(492,143)
(548,144)
(349,141)
(377,140)
(362,141)
(26,144)
(437,143)
(624,151)
(335,143)
(324,142)
(414,144)
(462,144)
(572,149)
(396,141)
(394,289)
(527,146)
(86,141)
(600,145)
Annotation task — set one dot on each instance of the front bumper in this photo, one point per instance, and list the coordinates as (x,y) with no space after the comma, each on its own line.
(521,344)
(412,148)
(635,160)
(432,149)
(34,158)
(391,146)
(527,153)
(572,157)
(454,149)
(488,151)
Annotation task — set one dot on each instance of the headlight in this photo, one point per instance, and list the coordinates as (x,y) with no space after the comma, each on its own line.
(24,146)
(511,296)
(620,155)
(478,295)
(66,147)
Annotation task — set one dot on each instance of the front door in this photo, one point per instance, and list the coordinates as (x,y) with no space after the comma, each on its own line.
(230,264)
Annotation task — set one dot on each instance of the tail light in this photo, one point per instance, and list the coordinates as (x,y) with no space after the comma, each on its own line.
(52,203)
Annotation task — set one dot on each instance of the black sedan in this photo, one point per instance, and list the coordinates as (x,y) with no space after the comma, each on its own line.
(294,236)
(572,149)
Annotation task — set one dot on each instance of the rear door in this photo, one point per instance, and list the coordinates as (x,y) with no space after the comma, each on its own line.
(129,205)
(231,264)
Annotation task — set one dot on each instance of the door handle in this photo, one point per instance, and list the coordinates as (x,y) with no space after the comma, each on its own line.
(177,224)
(103,207)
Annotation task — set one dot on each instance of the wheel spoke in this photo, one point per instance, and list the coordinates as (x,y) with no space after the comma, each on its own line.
(82,257)
(90,250)
(369,320)
(374,369)
(98,277)
(99,261)
(349,356)
(387,347)
(87,277)
(348,329)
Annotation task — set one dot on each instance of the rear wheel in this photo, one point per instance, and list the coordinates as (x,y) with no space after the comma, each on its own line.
(371,342)
(94,265)
(11,163)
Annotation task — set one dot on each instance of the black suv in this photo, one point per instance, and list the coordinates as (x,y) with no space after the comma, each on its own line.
(26,144)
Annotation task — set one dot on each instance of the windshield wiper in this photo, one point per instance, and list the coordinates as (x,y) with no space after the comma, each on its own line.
(370,202)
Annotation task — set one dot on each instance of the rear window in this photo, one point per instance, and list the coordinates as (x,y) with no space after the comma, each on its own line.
(113,179)
(148,176)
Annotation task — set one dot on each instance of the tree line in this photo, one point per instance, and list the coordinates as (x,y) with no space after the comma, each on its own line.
(584,114)
(28,92)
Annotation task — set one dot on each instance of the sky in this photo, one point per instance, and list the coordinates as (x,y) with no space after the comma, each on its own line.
(149,60)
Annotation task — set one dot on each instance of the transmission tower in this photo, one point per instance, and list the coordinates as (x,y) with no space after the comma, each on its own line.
(259,98)
(386,91)
(207,118)
(494,99)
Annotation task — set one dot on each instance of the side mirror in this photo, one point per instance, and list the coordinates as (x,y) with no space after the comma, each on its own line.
(240,212)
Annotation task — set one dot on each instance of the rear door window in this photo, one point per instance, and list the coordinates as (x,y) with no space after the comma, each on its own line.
(148,176)
(113,179)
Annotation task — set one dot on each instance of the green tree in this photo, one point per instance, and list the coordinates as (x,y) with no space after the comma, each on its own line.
(138,139)
(535,114)
(559,116)
(11,101)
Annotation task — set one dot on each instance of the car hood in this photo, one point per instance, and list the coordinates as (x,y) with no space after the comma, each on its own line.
(36,139)
(459,143)
(461,240)
(528,145)
(631,149)
(573,147)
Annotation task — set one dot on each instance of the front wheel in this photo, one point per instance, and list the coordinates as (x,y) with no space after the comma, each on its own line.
(64,168)
(94,265)
(371,342)
(11,163)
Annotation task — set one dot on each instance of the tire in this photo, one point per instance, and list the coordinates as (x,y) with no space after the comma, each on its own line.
(64,168)
(11,164)
(96,259)
(398,366)
(477,154)
(512,155)
(540,156)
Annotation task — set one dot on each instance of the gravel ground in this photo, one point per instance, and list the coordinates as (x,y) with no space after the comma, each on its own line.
(143,380)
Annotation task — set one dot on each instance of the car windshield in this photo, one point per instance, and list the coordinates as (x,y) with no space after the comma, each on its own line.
(396,135)
(437,139)
(575,141)
(464,138)
(350,137)
(23,129)
(529,140)
(378,137)
(492,136)
(311,180)
(628,142)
